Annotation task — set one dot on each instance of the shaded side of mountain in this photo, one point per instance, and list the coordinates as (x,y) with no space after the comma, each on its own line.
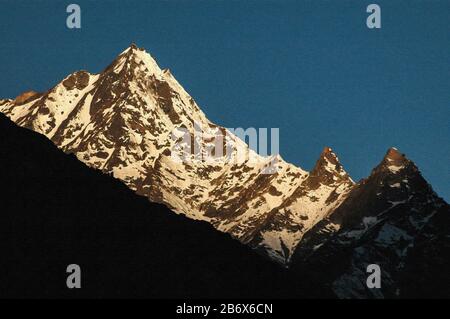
(393,219)
(56,212)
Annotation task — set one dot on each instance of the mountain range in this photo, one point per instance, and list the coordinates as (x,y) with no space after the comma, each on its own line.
(122,122)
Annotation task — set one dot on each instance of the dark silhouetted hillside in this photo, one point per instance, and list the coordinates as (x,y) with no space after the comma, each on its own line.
(56,211)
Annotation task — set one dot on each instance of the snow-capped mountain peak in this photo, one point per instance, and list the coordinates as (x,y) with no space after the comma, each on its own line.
(136,60)
(135,121)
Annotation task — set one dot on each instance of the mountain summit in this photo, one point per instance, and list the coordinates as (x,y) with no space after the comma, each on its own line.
(124,121)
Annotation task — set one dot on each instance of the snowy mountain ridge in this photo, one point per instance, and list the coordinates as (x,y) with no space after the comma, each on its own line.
(122,121)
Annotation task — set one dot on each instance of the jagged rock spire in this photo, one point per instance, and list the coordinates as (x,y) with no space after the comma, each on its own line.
(328,169)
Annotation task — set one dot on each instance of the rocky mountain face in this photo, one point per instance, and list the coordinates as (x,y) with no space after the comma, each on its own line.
(131,121)
(392,219)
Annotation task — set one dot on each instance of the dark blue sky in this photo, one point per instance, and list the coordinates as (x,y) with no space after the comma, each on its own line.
(311,68)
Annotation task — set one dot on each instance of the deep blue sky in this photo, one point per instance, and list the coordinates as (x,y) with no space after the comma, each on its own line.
(311,68)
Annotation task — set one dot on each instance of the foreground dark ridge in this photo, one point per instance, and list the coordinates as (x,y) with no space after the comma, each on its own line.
(56,211)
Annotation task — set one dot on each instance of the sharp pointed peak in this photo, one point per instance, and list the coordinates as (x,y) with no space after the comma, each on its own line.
(328,170)
(327,150)
(135,58)
(394,154)
(134,51)
(132,48)
(328,154)
(394,162)
(395,157)
(328,161)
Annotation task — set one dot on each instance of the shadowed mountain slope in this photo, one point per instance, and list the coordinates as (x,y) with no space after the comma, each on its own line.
(56,212)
